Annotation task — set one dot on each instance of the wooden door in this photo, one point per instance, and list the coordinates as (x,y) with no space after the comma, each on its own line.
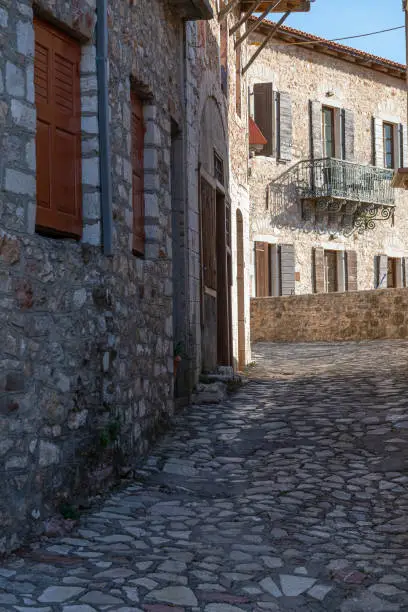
(208,226)
(241,291)
(330,266)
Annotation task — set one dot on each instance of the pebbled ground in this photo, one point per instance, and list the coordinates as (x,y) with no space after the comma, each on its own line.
(292,495)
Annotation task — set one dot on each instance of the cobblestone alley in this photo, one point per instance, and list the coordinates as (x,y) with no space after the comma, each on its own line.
(292,495)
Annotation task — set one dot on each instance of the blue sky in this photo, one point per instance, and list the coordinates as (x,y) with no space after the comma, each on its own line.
(332,19)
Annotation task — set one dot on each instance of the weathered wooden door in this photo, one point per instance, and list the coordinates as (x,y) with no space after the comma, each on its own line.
(215,294)
(240,291)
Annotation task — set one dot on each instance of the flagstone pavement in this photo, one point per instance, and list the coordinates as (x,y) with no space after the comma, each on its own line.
(291,495)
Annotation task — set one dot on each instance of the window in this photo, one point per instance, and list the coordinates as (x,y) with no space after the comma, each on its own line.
(329,144)
(58,143)
(138,132)
(330,271)
(274,269)
(238,105)
(389,145)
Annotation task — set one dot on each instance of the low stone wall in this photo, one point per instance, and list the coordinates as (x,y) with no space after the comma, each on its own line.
(359,315)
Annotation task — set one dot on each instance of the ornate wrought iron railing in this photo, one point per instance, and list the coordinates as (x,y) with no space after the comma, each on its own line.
(335,178)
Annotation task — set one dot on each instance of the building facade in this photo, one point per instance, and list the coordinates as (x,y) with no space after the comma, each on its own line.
(330,129)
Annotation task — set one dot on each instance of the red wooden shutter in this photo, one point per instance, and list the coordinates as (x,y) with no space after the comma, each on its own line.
(138,132)
(262,269)
(58,147)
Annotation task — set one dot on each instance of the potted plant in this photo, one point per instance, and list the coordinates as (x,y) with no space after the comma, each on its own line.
(178,356)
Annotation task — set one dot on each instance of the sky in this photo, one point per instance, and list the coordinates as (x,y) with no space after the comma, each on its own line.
(333,19)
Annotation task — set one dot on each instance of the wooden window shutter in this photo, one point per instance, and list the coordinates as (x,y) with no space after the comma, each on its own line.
(262,274)
(138,132)
(318,270)
(405,272)
(316,132)
(403,145)
(264,114)
(381,271)
(378,142)
(287,269)
(285,127)
(351,270)
(208,234)
(348,134)
(58,146)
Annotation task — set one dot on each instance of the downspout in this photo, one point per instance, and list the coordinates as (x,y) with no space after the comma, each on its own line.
(103,114)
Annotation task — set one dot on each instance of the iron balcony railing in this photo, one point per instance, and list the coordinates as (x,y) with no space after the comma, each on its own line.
(335,178)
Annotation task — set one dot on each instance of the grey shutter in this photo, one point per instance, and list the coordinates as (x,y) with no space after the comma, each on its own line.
(318,270)
(285,127)
(316,132)
(381,271)
(351,271)
(403,146)
(264,114)
(287,269)
(348,127)
(378,137)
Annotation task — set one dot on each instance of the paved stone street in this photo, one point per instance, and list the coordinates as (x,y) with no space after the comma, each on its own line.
(292,495)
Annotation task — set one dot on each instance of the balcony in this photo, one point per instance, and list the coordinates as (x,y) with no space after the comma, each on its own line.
(334,191)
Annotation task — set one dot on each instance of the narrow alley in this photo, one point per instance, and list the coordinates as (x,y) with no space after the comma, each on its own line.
(292,495)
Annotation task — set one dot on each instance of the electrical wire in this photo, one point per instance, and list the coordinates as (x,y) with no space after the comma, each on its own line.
(324,40)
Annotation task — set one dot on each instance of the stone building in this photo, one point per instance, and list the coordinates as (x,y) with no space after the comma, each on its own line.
(329,128)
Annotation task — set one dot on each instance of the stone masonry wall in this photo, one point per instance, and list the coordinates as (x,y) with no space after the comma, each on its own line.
(86,346)
(356,315)
(308,75)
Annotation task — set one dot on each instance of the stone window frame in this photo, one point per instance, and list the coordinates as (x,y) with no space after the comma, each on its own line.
(152,146)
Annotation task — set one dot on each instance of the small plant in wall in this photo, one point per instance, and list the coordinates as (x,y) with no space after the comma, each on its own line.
(178,356)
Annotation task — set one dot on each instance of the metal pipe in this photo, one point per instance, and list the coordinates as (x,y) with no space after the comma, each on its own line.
(104,134)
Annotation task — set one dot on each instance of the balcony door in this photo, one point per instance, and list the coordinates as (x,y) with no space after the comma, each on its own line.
(329,144)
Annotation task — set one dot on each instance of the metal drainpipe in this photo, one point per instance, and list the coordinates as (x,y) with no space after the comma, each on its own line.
(103,114)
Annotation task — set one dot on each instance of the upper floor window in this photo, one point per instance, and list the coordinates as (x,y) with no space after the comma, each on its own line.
(389,145)
(329,139)
(58,142)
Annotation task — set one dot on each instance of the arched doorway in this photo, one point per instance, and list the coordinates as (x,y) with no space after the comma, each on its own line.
(240,290)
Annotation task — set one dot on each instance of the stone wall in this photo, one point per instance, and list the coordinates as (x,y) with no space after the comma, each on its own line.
(308,75)
(86,341)
(358,315)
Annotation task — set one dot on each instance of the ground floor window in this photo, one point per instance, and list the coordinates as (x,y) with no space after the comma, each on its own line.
(274,269)
(390,272)
(334,270)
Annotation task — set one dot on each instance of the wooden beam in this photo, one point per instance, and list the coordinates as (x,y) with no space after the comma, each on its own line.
(227,9)
(266,41)
(253,27)
(246,16)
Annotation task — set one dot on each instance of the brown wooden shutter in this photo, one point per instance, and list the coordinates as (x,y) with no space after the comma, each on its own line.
(351,270)
(316,134)
(318,270)
(262,269)
(208,234)
(348,127)
(58,146)
(285,127)
(265,114)
(404,271)
(381,265)
(287,269)
(138,132)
